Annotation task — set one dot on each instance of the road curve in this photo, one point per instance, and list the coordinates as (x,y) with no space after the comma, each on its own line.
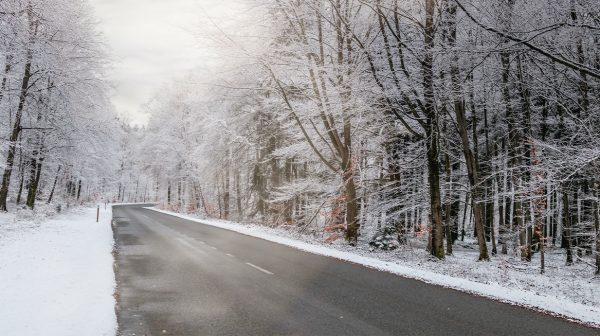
(178,277)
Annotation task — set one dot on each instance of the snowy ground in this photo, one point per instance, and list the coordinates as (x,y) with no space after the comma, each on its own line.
(56,275)
(571,292)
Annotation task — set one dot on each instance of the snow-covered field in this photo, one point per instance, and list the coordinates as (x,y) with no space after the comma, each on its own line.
(56,275)
(571,292)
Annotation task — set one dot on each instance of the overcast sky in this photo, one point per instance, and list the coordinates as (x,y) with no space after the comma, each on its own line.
(151,43)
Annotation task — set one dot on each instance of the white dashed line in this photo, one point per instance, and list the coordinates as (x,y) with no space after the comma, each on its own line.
(212,247)
(229,255)
(182,241)
(259,268)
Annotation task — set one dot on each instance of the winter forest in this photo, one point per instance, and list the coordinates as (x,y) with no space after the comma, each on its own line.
(58,129)
(387,123)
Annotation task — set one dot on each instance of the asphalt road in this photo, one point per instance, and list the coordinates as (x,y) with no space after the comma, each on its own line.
(177,277)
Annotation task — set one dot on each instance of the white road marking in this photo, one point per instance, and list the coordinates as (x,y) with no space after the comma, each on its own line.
(229,255)
(184,242)
(259,268)
(212,247)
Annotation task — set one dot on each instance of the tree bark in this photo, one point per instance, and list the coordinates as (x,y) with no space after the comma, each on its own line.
(78,189)
(226,193)
(54,186)
(597,228)
(432,134)
(567,240)
(34,180)
(169,193)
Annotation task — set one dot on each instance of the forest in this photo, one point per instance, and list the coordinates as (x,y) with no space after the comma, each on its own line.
(58,129)
(441,119)
(370,121)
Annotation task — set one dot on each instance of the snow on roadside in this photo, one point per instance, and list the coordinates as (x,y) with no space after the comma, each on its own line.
(56,275)
(493,280)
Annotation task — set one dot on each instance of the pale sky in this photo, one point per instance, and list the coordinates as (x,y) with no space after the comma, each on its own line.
(151,43)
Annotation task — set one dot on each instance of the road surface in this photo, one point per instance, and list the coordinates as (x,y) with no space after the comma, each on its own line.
(178,277)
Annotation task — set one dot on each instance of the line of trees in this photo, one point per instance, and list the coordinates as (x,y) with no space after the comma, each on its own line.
(57,128)
(443,119)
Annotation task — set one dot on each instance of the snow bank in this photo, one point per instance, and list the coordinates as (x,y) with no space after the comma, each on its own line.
(534,298)
(56,276)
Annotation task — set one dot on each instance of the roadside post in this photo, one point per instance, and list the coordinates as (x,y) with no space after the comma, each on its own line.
(97,213)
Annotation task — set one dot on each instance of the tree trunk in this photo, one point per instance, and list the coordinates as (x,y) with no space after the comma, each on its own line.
(54,185)
(351,209)
(226,191)
(7,69)
(16,130)
(21,179)
(34,183)
(238,195)
(169,193)
(78,189)
(567,228)
(597,227)
(432,135)
(448,204)
(178,194)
